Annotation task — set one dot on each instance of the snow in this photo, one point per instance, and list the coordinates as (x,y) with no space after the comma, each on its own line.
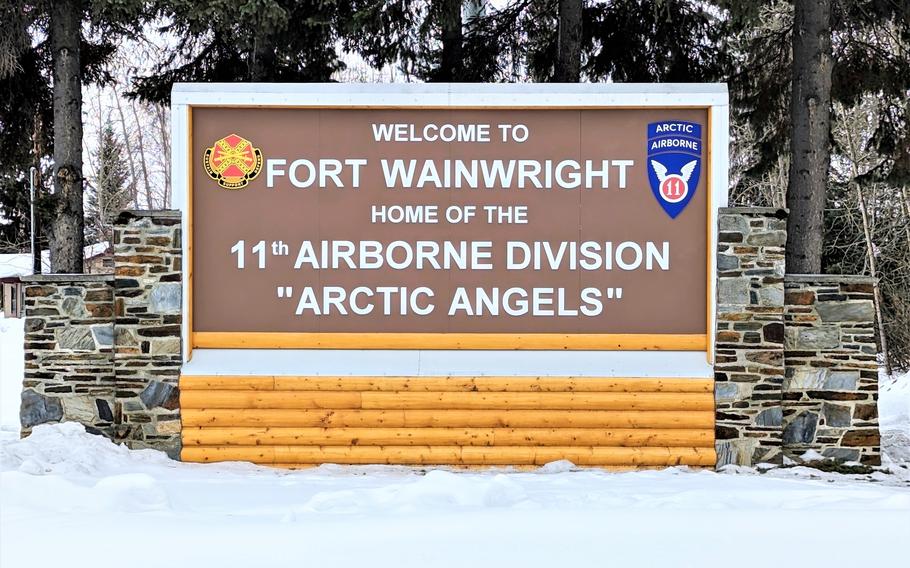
(894,417)
(20,264)
(15,265)
(68,498)
(12,368)
(98,499)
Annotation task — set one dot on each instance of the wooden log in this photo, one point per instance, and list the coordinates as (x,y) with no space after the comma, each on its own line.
(503,341)
(448,418)
(254,454)
(536,401)
(269,399)
(448,384)
(494,468)
(447,436)
(222,382)
(468,455)
(589,455)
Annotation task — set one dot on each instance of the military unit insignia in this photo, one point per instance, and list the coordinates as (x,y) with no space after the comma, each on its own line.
(674,163)
(233,162)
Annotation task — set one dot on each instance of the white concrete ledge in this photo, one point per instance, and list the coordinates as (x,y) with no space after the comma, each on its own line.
(346,362)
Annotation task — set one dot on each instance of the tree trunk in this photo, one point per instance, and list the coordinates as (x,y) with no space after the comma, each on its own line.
(810,110)
(262,58)
(568,57)
(68,225)
(451,66)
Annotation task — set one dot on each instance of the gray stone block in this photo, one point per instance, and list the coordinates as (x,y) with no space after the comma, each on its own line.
(841,380)
(733,291)
(73,307)
(160,394)
(770,238)
(841,454)
(725,392)
(733,224)
(837,416)
(804,378)
(103,334)
(812,338)
(38,409)
(770,417)
(852,310)
(771,295)
(76,337)
(801,430)
(736,452)
(165,298)
(727,262)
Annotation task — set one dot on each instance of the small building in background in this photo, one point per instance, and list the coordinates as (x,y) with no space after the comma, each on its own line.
(12,291)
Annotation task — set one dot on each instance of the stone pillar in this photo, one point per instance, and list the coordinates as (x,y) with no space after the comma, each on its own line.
(749,351)
(69,337)
(831,386)
(148,308)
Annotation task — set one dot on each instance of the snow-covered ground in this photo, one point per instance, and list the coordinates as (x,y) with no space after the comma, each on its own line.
(12,368)
(71,499)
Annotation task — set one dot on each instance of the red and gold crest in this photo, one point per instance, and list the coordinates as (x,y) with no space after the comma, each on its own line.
(233,162)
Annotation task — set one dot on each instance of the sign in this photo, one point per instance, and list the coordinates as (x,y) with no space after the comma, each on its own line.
(450,226)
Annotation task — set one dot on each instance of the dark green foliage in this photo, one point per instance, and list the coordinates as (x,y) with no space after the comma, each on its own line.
(866,60)
(26,105)
(654,41)
(25,110)
(256,40)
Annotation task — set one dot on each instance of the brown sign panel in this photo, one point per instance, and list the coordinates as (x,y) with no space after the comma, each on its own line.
(449,221)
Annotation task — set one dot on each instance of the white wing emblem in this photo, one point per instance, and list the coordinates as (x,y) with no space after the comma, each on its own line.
(686,171)
(661,170)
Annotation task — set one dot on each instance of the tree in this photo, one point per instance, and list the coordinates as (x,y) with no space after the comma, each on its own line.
(451,64)
(67,240)
(258,40)
(25,111)
(109,193)
(41,117)
(621,40)
(568,56)
(810,131)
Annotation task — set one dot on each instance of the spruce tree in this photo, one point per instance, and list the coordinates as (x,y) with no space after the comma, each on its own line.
(109,191)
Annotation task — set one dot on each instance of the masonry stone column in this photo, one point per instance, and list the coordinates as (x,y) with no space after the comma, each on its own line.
(749,351)
(830,392)
(69,343)
(148,316)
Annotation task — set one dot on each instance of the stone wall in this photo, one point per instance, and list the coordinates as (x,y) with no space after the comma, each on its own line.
(148,307)
(830,392)
(795,355)
(69,343)
(104,350)
(749,351)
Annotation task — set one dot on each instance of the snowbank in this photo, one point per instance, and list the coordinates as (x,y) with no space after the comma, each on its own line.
(12,369)
(101,501)
(152,511)
(894,417)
